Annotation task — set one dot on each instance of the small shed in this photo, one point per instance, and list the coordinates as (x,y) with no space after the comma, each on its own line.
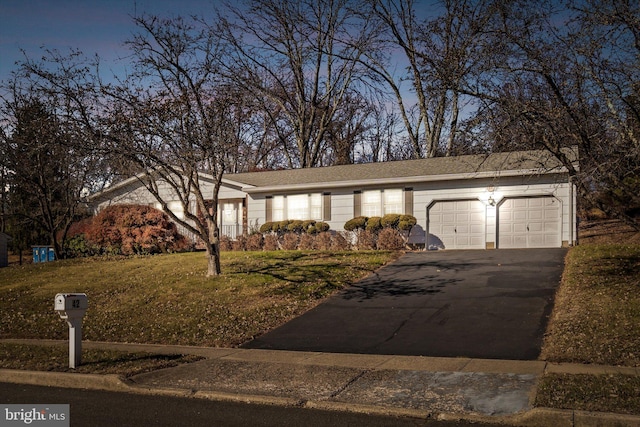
(4,250)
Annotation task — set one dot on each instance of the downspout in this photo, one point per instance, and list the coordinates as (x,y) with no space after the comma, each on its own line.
(573,231)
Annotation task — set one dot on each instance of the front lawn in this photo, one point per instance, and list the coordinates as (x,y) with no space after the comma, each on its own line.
(597,393)
(167,299)
(55,358)
(596,318)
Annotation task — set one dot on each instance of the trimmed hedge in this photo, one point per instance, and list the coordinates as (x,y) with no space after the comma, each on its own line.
(387,232)
(294,226)
(376,223)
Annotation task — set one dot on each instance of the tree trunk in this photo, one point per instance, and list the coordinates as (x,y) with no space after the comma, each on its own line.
(213,248)
(213,261)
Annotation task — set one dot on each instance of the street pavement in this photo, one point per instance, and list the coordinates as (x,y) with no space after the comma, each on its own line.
(99,408)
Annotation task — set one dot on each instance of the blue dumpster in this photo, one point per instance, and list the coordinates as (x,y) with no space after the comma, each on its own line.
(43,254)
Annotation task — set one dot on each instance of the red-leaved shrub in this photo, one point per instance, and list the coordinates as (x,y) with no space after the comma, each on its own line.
(134,229)
(339,242)
(307,242)
(323,241)
(255,242)
(390,239)
(270,242)
(290,241)
(225,243)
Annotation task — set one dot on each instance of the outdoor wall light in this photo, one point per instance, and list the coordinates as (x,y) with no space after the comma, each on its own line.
(491,201)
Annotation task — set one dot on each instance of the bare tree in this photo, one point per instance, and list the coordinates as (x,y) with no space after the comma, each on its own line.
(568,77)
(301,56)
(442,52)
(381,141)
(348,128)
(179,121)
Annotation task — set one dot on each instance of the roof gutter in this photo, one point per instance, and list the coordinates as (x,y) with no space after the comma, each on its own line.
(250,189)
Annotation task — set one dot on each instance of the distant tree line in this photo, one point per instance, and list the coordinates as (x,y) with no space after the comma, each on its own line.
(265,84)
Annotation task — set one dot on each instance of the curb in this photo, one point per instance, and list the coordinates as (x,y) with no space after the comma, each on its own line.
(312,358)
(536,417)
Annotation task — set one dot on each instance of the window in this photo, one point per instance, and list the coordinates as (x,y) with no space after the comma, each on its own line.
(392,201)
(176,208)
(297,206)
(316,206)
(277,208)
(371,203)
(229,214)
(379,203)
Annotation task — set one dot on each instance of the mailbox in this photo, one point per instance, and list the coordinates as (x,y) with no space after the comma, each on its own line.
(71,305)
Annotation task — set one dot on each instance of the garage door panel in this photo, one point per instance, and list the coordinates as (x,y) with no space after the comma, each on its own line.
(550,241)
(519,241)
(536,215)
(533,203)
(552,228)
(478,242)
(518,228)
(535,227)
(462,230)
(529,223)
(477,229)
(550,214)
(537,241)
(518,215)
(457,225)
(478,217)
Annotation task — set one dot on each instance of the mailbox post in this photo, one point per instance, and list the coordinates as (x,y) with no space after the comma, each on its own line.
(72,307)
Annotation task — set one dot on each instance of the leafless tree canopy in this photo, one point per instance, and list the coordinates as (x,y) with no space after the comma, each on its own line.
(267,84)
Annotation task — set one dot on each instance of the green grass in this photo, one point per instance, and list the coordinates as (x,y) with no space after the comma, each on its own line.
(596,318)
(167,299)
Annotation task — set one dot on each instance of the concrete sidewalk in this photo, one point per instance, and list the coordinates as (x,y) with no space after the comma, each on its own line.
(489,391)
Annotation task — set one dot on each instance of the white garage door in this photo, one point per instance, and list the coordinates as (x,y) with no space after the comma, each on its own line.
(529,223)
(457,225)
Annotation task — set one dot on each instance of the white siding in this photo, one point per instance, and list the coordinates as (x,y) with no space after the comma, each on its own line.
(341,209)
(424,195)
(227,193)
(256,211)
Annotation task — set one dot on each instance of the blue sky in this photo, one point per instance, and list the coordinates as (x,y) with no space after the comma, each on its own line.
(93,26)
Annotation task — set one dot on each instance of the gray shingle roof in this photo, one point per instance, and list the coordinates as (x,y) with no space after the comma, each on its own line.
(421,170)
(540,161)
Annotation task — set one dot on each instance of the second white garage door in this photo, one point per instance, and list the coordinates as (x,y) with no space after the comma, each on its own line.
(457,224)
(529,223)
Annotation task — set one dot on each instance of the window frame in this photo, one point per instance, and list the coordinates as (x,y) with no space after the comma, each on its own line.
(313,210)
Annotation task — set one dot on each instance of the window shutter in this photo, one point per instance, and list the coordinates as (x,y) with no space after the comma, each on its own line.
(326,206)
(268,213)
(357,203)
(408,201)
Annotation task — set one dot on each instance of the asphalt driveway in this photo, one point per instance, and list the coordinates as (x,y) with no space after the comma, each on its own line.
(492,304)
